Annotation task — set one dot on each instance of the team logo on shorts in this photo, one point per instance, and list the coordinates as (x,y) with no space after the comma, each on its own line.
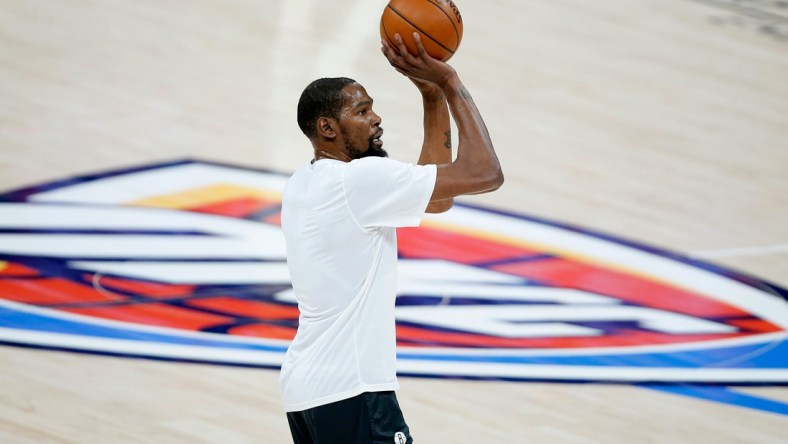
(186,261)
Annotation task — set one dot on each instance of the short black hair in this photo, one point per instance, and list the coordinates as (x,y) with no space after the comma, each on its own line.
(321,98)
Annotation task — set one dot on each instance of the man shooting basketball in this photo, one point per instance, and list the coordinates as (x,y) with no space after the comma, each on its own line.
(339,214)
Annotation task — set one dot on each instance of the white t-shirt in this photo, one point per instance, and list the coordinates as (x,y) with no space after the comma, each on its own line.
(339,222)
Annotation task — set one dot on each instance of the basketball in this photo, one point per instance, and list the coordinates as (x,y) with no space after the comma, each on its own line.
(438,22)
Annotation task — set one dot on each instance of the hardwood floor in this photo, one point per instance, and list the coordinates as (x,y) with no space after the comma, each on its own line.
(658,121)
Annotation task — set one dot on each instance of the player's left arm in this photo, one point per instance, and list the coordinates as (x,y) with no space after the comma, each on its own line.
(436,148)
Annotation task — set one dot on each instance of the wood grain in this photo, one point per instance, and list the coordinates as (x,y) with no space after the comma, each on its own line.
(660,121)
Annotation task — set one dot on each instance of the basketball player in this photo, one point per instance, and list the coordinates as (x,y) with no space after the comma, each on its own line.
(339,214)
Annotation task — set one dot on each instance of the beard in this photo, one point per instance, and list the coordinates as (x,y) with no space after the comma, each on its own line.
(371,151)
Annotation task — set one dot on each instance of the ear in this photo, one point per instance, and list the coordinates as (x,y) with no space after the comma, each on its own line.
(327,128)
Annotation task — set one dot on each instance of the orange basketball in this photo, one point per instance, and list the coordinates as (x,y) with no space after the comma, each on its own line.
(438,22)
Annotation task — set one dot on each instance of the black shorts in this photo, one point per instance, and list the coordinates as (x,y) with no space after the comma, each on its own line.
(369,418)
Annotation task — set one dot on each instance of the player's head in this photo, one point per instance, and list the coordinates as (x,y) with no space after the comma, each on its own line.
(339,110)
(321,98)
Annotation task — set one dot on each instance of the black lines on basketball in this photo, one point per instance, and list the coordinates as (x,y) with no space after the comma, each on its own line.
(456,32)
(438,22)
(420,30)
(386,33)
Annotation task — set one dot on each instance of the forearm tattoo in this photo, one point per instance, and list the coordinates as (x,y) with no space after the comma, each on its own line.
(447,144)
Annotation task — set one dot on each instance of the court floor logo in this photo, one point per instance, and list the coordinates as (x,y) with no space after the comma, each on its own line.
(186,261)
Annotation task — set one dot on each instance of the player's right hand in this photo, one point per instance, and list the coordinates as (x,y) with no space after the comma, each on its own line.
(418,67)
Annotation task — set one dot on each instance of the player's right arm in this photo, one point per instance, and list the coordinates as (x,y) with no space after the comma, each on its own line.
(476,168)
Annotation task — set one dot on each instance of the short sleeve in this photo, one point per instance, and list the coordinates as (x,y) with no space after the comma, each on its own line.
(383,192)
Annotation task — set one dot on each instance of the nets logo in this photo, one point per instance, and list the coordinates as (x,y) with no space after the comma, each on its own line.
(186,261)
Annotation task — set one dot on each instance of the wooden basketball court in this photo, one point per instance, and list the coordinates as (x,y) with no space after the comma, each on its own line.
(664,122)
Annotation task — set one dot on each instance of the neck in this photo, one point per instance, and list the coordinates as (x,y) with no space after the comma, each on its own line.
(342,157)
